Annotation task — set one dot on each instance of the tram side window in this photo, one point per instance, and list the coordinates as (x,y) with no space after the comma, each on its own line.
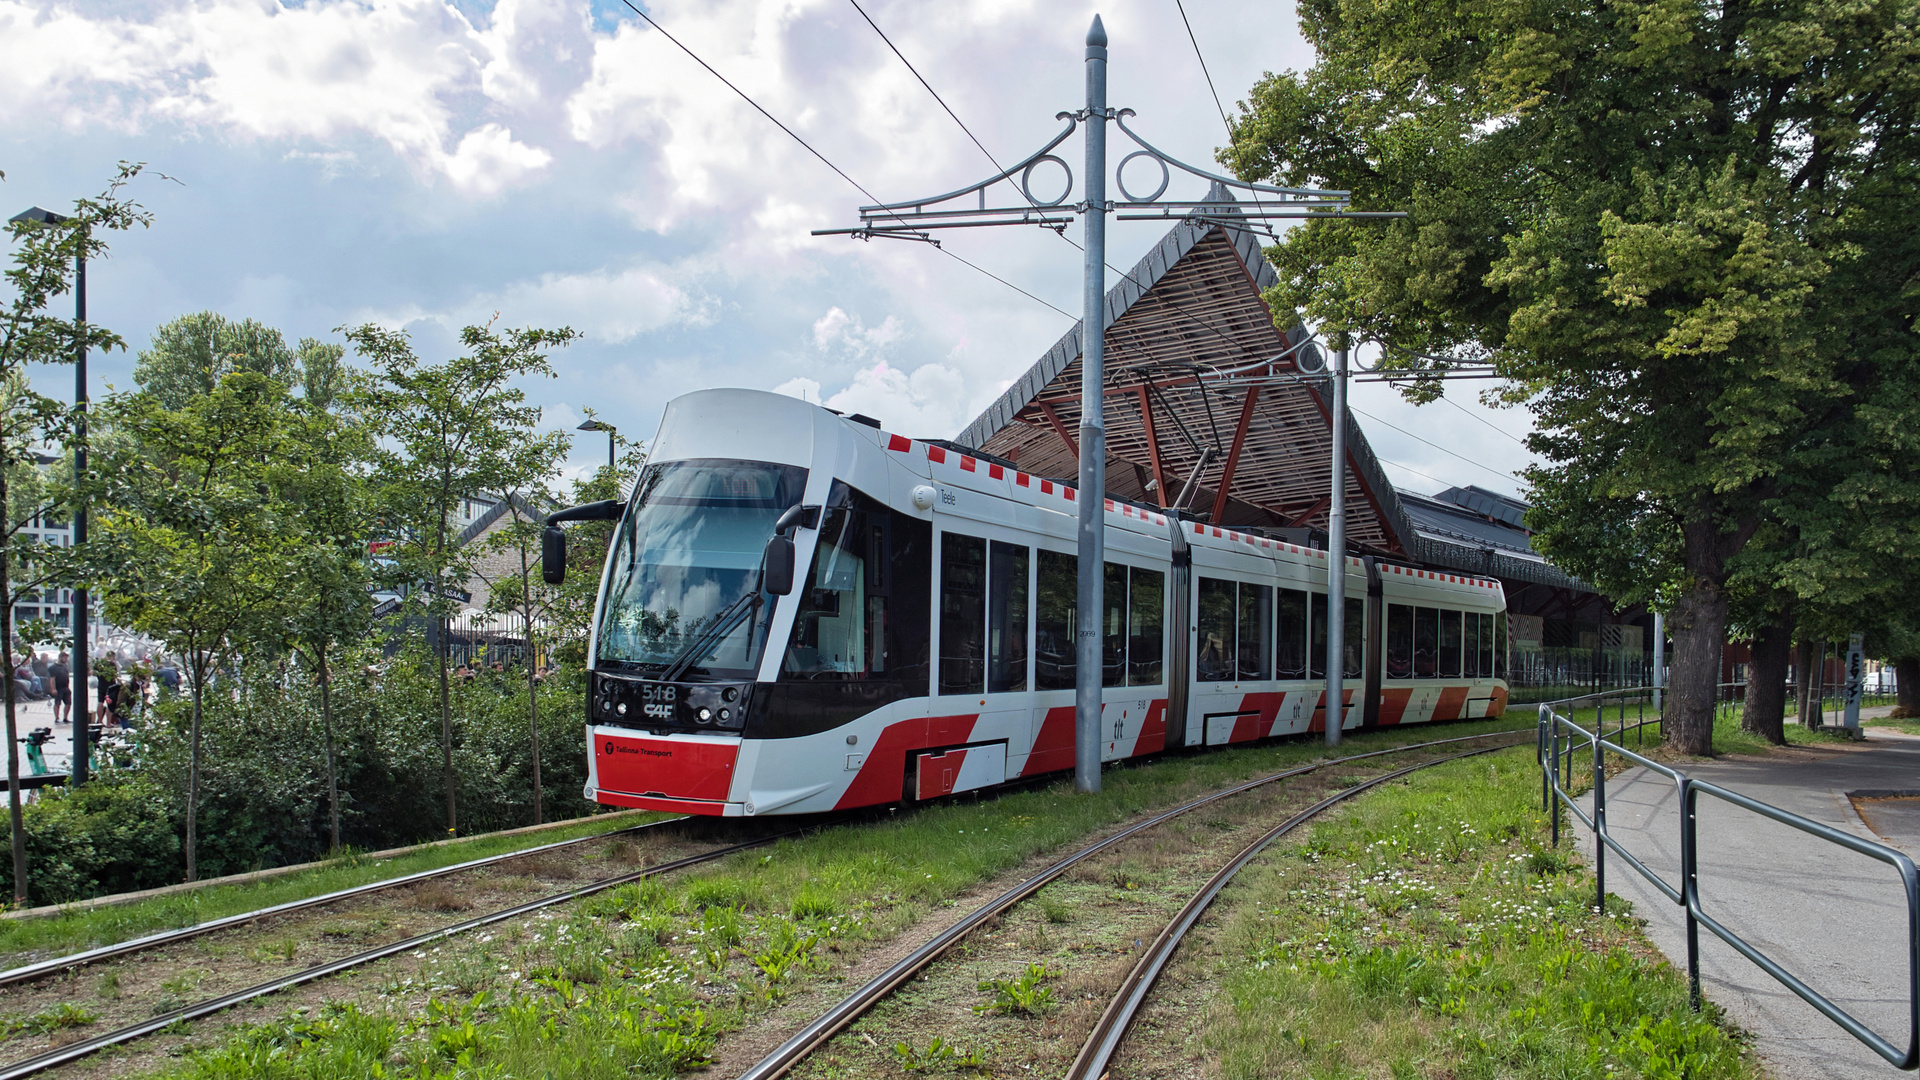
(1354,634)
(1058,595)
(1215,663)
(1113,628)
(963,614)
(1500,645)
(862,615)
(1486,645)
(1146,626)
(1471,666)
(1426,642)
(1256,631)
(1291,608)
(1317,634)
(1007,618)
(1399,641)
(1450,644)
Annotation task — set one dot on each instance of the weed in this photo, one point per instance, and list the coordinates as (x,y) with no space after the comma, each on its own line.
(184,983)
(47,1021)
(812,903)
(721,926)
(718,892)
(1055,910)
(108,986)
(1023,995)
(939,1054)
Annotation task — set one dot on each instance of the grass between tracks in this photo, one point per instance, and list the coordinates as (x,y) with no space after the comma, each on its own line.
(1428,931)
(76,929)
(643,980)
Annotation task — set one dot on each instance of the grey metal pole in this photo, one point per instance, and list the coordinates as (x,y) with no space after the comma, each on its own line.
(1337,554)
(1093,441)
(80,670)
(1659,657)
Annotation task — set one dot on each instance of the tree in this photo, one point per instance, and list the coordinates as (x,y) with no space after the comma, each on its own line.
(191,354)
(194,531)
(449,432)
(324,492)
(1637,215)
(45,260)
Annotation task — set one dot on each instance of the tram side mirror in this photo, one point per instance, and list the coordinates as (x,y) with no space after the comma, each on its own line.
(779,565)
(553,555)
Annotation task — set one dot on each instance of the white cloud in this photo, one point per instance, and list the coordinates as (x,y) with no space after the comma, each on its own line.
(488,160)
(837,328)
(610,306)
(399,71)
(931,402)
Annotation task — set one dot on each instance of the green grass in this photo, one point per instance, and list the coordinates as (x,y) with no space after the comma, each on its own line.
(77,928)
(1429,932)
(668,965)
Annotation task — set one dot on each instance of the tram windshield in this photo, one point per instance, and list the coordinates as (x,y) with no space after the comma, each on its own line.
(683,588)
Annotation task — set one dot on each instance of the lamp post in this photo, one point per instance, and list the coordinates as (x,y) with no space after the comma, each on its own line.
(79,670)
(598,425)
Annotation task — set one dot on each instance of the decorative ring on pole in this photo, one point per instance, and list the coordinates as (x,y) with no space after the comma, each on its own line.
(1120,177)
(1026,180)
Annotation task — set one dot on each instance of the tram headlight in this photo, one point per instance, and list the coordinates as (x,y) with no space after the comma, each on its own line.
(729,694)
(726,715)
(704,715)
(621,709)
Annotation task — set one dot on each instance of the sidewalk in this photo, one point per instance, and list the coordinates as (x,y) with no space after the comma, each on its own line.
(1834,918)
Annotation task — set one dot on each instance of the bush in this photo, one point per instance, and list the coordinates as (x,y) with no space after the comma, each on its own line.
(113,835)
(263,787)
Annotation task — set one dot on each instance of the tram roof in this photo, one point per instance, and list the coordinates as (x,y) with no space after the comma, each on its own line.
(1195,359)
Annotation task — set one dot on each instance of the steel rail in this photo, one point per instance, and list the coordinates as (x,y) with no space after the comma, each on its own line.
(43,968)
(74,1051)
(856,1004)
(1095,1054)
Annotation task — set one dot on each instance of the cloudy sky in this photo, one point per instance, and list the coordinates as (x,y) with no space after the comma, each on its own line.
(429,164)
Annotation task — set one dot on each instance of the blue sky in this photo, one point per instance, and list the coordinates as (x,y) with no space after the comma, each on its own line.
(430,164)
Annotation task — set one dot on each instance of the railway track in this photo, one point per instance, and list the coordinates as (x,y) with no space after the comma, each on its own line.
(63,964)
(1112,1027)
(77,1050)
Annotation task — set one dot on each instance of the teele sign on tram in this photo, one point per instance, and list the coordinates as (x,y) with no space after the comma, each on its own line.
(967,208)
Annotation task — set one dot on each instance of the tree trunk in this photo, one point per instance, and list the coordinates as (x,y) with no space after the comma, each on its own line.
(1802,681)
(18,825)
(333,783)
(1698,623)
(1906,686)
(533,687)
(1766,705)
(446,729)
(193,772)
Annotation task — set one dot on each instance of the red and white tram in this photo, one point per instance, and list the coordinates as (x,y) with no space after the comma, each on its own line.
(921,642)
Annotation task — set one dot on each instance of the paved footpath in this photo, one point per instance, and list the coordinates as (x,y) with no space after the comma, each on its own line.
(1832,917)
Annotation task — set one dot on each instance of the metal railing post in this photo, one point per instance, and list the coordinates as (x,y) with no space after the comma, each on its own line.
(1540,759)
(1553,813)
(1690,887)
(1599,822)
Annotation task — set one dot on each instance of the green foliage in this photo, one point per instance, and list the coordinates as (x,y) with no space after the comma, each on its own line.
(113,835)
(1684,236)
(938,1055)
(190,355)
(48,1020)
(1023,995)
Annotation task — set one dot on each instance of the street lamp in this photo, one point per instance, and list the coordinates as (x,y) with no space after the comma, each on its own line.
(80,670)
(596,425)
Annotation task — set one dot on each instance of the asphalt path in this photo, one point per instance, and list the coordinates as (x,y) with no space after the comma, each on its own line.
(1834,918)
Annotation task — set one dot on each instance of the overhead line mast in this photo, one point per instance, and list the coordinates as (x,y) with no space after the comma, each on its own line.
(967,207)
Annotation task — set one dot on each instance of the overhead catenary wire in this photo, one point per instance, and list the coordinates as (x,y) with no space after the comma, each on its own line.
(1177,309)
(1484,420)
(795,136)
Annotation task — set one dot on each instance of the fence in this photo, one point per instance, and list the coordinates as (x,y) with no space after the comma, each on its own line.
(1562,742)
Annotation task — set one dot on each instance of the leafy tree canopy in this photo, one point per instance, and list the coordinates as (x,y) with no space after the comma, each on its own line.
(1668,224)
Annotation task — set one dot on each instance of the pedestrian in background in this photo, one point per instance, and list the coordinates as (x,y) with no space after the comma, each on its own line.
(59,674)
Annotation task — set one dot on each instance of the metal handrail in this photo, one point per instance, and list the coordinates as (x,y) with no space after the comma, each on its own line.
(1558,739)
